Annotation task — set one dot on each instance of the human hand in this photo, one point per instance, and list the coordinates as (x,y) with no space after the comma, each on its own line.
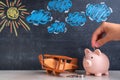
(104,33)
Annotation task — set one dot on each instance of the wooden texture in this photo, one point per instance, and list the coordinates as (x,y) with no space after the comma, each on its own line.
(57,64)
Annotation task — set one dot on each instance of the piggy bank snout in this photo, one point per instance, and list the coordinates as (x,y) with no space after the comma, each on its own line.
(87,63)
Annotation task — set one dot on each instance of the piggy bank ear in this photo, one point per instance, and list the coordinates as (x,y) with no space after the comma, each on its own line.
(97,51)
(87,51)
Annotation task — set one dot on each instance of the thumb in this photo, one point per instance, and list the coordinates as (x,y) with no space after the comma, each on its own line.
(102,41)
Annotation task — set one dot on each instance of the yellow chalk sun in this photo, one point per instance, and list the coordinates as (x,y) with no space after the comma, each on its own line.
(12,15)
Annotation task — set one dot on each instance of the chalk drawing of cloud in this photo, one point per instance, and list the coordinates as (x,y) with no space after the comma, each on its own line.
(39,17)
(76,18)
(57,27)
(60,5)
(98,12)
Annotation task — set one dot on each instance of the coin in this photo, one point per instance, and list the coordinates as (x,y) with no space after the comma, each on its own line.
(76,76)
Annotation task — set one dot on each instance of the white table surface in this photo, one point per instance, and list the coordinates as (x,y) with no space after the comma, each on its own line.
(41,75)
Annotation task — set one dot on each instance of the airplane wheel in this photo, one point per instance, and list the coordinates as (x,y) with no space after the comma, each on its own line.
(72,70)
(48,71)
(56,73)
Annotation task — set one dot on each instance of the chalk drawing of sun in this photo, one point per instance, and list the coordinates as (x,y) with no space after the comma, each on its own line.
(12,15)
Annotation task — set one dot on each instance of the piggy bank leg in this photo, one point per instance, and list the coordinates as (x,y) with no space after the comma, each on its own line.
(107,73)
(98,74)
(87,73)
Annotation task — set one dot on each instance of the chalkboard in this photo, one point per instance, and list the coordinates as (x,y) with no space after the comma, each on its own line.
(19,51)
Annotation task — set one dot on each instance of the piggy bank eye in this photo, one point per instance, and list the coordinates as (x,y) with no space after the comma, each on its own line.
(91,57)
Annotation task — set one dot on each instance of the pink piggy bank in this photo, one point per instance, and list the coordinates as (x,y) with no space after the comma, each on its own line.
(96,63)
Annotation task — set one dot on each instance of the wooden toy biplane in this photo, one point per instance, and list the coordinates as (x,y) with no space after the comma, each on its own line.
(57,64)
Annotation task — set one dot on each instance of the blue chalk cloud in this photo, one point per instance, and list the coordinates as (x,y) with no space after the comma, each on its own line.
(39,17)
(76,19)
(60,5)
(98,12)
(57,27)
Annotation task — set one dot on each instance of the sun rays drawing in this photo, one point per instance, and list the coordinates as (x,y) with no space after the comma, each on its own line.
(12,15)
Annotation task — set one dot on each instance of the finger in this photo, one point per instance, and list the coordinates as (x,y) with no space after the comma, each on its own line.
(102,41)
(98,32)
(95,35)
